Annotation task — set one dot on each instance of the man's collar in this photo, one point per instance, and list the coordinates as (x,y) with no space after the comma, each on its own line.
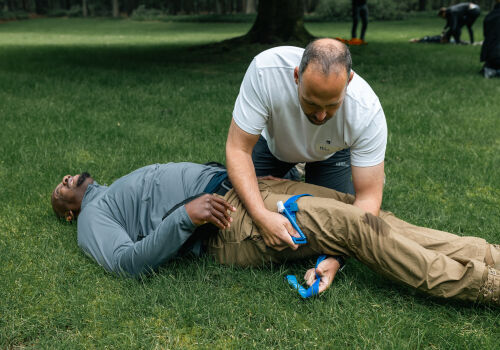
(93,189)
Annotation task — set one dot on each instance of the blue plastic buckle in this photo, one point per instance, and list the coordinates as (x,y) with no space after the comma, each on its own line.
(312,290)
(289,209)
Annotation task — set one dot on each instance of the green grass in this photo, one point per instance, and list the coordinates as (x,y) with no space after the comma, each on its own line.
(110,96)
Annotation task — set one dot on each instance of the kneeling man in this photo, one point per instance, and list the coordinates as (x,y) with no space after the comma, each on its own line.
(156,212)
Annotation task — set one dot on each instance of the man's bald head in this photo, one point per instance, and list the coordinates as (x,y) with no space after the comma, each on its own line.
(328,56)
(322,79)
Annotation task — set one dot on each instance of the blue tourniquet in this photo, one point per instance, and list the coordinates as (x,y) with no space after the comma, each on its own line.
(289,209)
(313,290)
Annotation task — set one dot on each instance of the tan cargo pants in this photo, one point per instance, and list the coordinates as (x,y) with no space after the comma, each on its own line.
(436,262)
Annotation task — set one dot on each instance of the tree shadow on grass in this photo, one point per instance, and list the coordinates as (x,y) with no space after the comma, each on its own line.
(407,59)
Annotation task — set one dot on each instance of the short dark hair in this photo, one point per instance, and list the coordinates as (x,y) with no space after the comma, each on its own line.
(327,56)
(442,11)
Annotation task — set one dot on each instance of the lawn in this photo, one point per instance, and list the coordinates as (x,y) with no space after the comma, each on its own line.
(109,96)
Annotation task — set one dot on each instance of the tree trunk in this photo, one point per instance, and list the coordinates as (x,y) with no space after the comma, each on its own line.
(41,6)
(84,8)
(11,5)
(219,6)
(116,8)
(279,21)
(131,5)
(174,7)
(238,6)
(422,5)
(310,5)
(188,7)
(250,6)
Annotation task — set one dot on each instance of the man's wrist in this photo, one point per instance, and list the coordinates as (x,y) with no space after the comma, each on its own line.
(340,259)
(259,215)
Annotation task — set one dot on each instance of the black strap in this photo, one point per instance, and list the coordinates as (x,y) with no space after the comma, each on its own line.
(212,164)
(215,165)
(224,187)
(180,204)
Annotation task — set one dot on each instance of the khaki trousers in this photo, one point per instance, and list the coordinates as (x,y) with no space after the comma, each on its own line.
(436,262)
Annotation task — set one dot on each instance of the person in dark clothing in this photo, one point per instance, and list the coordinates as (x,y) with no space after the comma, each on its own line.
(490,52)
(436,39)
(457,16)
(359,9)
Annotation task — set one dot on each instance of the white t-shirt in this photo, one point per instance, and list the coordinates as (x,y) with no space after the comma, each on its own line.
(268,104)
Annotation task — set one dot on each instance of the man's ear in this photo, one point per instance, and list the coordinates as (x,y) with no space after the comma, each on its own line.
(69,216)
(351,75)
(296,75)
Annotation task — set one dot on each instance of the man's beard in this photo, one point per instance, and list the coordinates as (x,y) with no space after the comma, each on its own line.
(81,179)
(312,119)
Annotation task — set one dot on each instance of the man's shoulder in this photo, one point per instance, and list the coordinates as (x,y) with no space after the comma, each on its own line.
(360,93)
(460,7)
(91,211)
(279,57)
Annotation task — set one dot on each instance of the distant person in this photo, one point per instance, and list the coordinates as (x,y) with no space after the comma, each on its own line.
(490,52)
(359,10)
(435,39)
(457,16)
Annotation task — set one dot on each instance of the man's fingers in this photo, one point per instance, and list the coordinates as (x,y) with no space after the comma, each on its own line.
(219,216)
(215,216)
(224,203)
(286,233)
(326,282)
(288,240)
(275,233)
(276,244)
(217,222)
(323,286)
(222,209)
(291,231)
(310,277)
(271,241)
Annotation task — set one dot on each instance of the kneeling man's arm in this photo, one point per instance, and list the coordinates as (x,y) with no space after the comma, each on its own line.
(369,186)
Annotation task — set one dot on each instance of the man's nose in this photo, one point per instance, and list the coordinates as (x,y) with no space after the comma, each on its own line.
(321,115)
(65,179)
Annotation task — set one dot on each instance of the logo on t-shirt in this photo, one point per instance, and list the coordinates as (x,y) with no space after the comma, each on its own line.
(327,147)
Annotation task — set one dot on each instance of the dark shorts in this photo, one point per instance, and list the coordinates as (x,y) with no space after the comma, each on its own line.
(334,172)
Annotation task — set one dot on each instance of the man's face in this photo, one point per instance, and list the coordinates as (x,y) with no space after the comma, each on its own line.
(69,192)
(321,96)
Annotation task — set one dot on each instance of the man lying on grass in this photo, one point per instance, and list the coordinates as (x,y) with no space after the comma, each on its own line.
(153,214)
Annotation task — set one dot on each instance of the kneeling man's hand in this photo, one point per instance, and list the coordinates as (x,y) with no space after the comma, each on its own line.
(276,231)
(326,270)
(212,209)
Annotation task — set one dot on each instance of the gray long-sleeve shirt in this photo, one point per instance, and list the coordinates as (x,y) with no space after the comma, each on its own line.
(121,226)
